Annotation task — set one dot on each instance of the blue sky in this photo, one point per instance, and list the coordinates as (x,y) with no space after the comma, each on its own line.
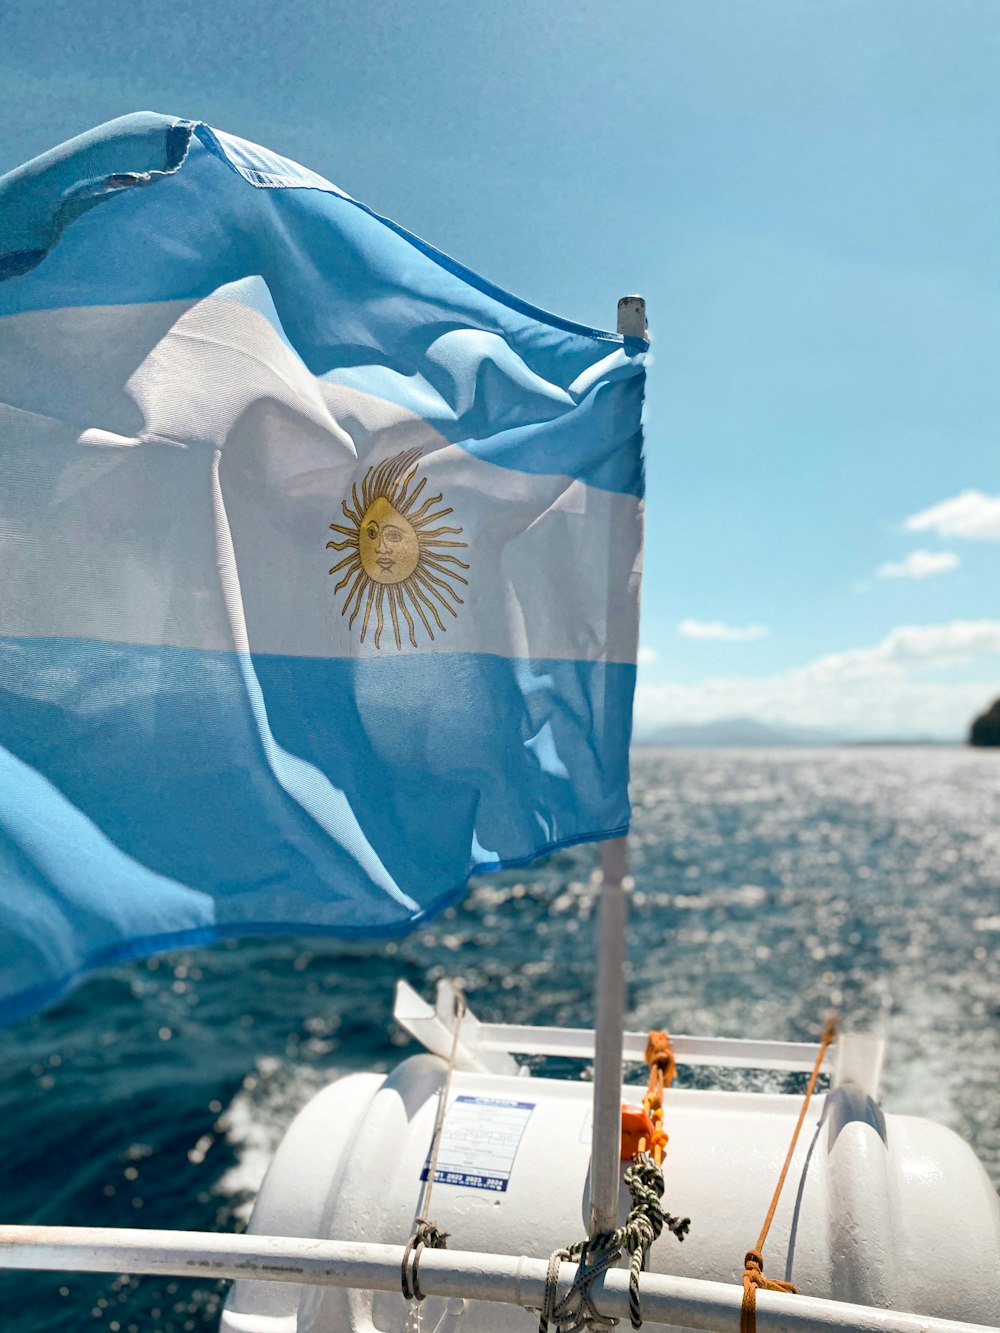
(807,192)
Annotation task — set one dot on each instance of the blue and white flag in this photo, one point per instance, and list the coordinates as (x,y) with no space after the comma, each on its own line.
(319,561)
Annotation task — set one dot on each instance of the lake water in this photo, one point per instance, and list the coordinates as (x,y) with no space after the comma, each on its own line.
(769,887)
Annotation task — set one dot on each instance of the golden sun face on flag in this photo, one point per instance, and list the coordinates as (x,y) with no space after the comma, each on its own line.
(396,561)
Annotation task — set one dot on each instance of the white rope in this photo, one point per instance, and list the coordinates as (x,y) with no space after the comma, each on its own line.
(425,1232)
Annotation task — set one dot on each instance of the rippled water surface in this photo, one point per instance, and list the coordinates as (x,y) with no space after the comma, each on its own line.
(770,887)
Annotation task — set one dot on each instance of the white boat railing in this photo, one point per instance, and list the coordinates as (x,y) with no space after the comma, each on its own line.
(488,1047)
(674,1302)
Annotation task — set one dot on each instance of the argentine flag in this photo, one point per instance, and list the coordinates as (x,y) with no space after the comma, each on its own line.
(319,561)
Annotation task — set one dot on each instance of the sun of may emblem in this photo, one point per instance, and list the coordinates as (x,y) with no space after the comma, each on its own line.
(395,559)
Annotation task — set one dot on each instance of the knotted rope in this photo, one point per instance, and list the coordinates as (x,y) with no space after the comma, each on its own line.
(753,1279)
(426,1234)
(753,1264)
(645,1221)
(576,1312)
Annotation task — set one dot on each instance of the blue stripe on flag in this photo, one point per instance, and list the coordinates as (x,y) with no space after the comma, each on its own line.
(138,796)
(169,225)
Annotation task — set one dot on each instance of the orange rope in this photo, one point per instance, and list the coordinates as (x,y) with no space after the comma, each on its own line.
(662,1068)
(753,1264)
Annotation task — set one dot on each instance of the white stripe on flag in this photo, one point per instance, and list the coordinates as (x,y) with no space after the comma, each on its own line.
(115,540)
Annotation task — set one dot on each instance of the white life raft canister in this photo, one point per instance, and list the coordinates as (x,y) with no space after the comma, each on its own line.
(889,1211)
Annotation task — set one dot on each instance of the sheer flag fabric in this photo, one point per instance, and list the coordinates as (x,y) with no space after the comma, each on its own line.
(319,561)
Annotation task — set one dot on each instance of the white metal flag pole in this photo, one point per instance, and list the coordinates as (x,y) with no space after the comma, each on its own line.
(609,1025)
(609,996)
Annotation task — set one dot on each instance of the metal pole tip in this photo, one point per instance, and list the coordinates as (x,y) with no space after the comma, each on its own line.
(632,317)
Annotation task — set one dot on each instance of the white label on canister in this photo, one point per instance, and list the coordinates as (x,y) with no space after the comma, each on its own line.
(479,1141)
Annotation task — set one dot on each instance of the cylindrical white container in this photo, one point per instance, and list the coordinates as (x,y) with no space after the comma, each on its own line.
(873,1206)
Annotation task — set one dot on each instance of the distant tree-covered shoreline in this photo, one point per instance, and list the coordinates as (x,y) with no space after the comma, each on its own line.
(985,729)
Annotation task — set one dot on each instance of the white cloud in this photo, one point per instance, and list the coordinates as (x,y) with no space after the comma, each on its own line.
(949,644)
(719,631)
(971,514)
(919,565)
(880,690)
(647,656)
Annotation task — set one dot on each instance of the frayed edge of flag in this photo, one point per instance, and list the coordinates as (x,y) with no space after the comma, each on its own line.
(81,197)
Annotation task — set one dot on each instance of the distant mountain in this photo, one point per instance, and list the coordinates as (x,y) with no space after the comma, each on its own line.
(738,732)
